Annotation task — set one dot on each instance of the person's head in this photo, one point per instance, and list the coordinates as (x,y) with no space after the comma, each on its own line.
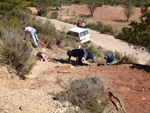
(43,50)
(23,27)
(69,53)
(105,57)
(87,50)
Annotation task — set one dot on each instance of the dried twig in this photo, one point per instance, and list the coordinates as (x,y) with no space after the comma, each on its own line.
(111,94)
(63,72)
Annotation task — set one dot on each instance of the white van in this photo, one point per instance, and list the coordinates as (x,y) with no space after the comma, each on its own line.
(79,34)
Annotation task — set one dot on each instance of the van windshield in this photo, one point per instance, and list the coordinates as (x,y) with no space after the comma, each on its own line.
(81,34)
(84,33)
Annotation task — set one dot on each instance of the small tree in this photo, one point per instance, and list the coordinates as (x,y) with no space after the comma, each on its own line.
(128,10)
(92,5)
(138,33)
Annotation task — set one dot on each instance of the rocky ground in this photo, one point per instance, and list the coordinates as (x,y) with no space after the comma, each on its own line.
(129,82)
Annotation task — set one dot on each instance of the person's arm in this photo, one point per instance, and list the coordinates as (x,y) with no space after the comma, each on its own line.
(25,33)
(43,56)
(69,59)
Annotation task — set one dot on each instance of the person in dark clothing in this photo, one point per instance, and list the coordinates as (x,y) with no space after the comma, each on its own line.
(110,57)
(41,56)
(89,55)
(78,53)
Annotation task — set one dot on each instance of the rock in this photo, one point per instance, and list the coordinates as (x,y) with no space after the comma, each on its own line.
(58,62)
(143,98)
(65,104)
(77,108)
(21,108)
(72,67)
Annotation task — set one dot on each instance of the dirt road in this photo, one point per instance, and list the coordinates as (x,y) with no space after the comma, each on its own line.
(107,41)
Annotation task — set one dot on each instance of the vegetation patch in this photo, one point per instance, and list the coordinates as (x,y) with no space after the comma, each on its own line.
(89,94)
(138,33)
(14,52)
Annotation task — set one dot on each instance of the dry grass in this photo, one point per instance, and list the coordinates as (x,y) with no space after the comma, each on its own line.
(89,94)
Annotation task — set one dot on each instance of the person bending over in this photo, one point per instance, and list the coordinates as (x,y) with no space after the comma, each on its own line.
(109,57)
(32,32)
(78,53)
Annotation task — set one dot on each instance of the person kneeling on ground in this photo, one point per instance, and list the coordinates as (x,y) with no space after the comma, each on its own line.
(41,56)
(110,57)
(89,56)
(78,53)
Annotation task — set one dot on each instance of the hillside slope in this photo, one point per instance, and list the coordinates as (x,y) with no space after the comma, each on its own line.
(129,82)
(107,42)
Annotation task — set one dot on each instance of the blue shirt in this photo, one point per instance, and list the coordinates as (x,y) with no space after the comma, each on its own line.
(90,55)
(84,51)
(83,25)
(110,57)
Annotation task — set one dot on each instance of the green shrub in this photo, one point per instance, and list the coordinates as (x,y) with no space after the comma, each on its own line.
(13,51)
(42,11)
(77,1)
(54,15)
(99,26)
(17,18)
(107,29)
(118,56)
(91,26)
(129,59)
(29,65)
(89,94)
(46,31)
(138,33)
(9,5)
(1,30)
(18,14)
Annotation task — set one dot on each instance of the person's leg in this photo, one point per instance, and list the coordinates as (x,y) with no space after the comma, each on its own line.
(33,37)
(112,62)
(108,62)
(37,39)
(80,60)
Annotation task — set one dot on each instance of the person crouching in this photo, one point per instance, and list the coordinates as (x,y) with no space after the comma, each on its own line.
(78,53)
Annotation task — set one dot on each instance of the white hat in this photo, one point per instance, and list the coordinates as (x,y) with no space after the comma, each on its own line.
(79,47)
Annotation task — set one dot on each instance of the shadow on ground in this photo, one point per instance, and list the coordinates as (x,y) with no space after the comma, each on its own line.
(86,16)
(139,66)
(118,20)
(66,62)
